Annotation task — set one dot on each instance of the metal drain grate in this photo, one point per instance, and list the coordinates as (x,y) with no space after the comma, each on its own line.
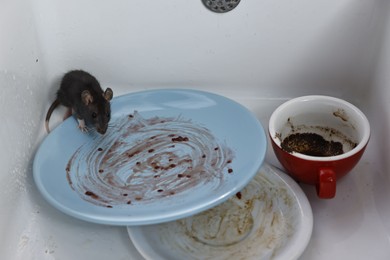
(221,6)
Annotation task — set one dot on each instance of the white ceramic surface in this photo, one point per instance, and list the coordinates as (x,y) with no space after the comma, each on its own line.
(270,218)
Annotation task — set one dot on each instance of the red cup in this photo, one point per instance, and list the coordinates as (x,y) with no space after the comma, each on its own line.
(336,121)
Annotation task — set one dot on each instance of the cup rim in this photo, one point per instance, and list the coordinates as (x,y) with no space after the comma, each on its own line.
(361,145)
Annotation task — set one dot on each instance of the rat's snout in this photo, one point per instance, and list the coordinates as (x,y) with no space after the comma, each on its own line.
(101,130)
(101,125)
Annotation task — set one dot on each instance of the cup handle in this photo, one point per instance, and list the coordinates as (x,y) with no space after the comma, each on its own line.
(326,187)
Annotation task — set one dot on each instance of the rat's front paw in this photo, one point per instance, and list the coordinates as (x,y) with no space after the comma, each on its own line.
(83,128)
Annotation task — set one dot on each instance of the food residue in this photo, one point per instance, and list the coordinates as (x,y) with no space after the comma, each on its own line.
(311,144)
(147,159)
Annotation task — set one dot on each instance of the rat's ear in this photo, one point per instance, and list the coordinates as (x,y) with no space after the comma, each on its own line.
(86,97)
(108,94)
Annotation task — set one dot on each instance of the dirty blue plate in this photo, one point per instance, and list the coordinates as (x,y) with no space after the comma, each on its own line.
(168,154)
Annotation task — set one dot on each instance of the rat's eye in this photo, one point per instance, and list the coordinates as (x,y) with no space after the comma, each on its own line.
(94,115)
(108,115)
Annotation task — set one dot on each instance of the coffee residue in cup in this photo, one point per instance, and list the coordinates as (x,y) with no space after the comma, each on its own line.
(311,144)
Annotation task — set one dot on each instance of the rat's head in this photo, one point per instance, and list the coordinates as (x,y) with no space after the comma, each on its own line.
(98,112)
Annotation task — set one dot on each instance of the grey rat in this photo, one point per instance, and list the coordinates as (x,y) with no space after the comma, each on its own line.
(81,92)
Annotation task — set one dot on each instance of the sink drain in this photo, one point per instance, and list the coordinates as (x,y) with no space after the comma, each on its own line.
(221,6)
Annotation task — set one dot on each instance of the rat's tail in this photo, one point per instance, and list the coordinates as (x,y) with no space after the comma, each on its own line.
(49,112)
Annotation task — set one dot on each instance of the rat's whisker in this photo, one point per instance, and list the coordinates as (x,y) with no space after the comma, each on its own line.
(113,126)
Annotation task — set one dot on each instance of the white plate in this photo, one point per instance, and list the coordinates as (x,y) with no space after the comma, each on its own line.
(270,218)
(182,152)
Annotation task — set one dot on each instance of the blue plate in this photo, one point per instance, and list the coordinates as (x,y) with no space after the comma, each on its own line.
(167,154)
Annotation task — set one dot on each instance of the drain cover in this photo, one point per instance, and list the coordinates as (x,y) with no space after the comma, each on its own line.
(221,6)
